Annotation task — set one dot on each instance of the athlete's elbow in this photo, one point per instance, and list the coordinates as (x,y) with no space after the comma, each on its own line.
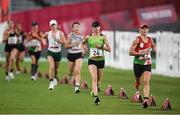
(109,49)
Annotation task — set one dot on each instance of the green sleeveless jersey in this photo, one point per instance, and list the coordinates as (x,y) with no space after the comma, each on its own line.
(96,54)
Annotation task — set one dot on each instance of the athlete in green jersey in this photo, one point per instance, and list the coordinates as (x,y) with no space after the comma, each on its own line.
(97,43)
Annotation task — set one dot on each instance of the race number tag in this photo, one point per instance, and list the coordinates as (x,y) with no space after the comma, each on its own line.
(53,43)
(94,52)
(77,47)
(145,57)
(34,43)
(12,40)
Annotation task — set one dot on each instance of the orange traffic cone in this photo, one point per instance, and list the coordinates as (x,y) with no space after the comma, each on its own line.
(109,91)
(122,94)
(64,80)
(166,105)
(84,85)
(137,97)
(151,101)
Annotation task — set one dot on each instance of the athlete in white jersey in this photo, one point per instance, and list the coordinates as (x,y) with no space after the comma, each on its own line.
(74,45)
(10,40)
(55,40)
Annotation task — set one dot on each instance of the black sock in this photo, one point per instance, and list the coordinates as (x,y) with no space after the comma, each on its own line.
(36,68)
(11,70)
(50,79)
(33,69)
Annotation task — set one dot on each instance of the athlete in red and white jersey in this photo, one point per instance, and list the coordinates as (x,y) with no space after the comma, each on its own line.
(34,44)
(141,49)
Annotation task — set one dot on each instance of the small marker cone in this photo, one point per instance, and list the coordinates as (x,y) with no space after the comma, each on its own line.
(84,85)
(109,91)
(137,97)
(122,94)
(166,105)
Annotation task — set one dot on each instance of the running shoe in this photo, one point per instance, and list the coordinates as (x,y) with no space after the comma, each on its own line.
(97,100)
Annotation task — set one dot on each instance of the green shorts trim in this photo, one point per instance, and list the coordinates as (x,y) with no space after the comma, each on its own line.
(55,55)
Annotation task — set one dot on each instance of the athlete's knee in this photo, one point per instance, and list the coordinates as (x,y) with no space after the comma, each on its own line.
(146,82)
(11,58)
(94,80)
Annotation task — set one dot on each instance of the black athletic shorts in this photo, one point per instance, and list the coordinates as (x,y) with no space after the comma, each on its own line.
(36,54)
(55,55)
(21,47)
(8,48)
(99,64)
(140,69)
(74,56)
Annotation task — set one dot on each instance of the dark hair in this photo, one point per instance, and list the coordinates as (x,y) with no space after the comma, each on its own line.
(34,23)
(143,26)
(75,23)
(96,24)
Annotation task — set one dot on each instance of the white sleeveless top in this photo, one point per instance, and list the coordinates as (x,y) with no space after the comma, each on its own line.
(76,38)
(53,45)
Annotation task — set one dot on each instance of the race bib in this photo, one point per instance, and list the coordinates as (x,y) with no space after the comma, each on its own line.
(94,52)
(145,57)
(77,47)
(12,40)
(53,43)
(34,43)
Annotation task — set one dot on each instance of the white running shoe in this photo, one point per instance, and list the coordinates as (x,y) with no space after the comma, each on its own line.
(55,81)
(76,90)
(33,78)
(51,85)
(7,78)
(11,75)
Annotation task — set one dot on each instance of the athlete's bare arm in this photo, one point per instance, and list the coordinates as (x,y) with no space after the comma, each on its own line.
(62,36)
(106,45)
(154,46)
(5,36)
(85,39)
(84,47)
